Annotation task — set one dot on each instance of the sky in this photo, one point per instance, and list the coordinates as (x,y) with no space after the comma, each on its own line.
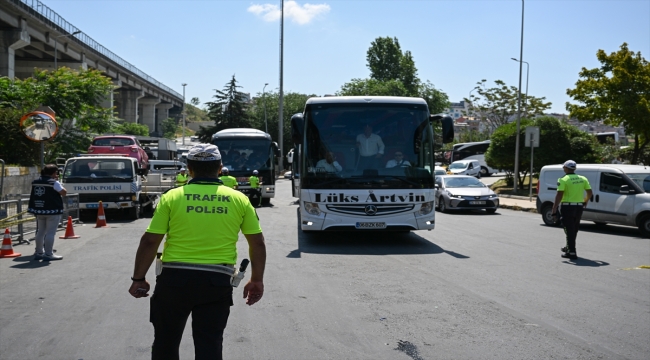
(454,43)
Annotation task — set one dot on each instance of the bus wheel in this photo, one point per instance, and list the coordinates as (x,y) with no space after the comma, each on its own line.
(266,201)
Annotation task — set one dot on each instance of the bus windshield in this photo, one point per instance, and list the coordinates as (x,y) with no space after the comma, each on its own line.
(245,154)
(367,146)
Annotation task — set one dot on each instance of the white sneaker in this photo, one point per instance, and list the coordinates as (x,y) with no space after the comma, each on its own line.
(52,257)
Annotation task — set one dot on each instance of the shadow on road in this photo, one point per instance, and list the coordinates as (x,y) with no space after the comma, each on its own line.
(365,243)
(28,262)
(586,262)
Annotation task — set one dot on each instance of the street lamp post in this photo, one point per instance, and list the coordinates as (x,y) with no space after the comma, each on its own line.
(470,100)
(525,96)
(183,112)
(55,46)
(281,101)
(266,124)
(521,65)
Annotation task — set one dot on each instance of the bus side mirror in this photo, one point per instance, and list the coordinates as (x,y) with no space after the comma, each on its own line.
(447,126)
(276,149)
(297,128)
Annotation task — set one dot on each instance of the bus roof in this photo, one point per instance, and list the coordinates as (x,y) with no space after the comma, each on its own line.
(241,133)
(366,99)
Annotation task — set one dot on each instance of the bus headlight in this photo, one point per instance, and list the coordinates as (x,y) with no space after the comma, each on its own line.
(312,208)
(426,208)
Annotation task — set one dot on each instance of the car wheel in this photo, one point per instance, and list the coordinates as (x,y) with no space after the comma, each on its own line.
(442,206)
(490,211)
(644,225)
(547,210)
(484,171)
(478,175)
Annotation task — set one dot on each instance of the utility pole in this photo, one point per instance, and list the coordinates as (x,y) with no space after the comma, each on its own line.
(183,112)
(266,124)
(521,65)
(525,96)
(281,112)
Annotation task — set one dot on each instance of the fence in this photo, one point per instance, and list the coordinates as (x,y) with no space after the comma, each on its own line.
(14,215)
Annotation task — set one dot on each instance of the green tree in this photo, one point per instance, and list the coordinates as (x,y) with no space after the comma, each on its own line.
(229,108)
(617,92)
(558,142)
(384,58)
(293,103)
(393,73)
(132,129)
(169,128)
(498,105)
(74,95)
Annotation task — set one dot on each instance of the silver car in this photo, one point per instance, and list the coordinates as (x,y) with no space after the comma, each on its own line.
(462,192)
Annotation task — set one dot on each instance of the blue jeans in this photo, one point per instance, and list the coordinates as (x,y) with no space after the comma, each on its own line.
(46,232)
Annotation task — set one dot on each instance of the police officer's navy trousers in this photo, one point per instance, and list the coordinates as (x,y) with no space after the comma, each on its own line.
(206,295)
(571,215)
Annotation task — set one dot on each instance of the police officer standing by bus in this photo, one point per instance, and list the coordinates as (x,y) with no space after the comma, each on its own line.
(255,188)
(571,201)
(202,221)
(228,180)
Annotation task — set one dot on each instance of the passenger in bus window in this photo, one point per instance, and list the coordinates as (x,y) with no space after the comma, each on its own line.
(329,164)
(371,149)
(398,161)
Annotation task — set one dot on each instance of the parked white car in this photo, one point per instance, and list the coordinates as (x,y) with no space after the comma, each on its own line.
(621,194)
(465,167)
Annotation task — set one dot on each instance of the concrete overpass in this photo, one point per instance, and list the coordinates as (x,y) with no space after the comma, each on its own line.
(34,36)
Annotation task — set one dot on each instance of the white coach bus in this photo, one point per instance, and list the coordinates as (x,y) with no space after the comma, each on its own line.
(356,194)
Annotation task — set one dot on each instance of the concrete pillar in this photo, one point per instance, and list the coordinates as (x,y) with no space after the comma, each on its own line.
(128,104)
(149,112)
(109,101)
(162,114)
(10,41)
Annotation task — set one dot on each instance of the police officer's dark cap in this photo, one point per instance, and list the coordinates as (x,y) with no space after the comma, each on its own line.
(204,152)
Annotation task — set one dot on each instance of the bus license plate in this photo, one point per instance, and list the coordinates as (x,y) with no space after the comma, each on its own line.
(477,202)
(370,225)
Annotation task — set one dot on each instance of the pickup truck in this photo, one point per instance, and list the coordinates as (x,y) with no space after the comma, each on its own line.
(116,180)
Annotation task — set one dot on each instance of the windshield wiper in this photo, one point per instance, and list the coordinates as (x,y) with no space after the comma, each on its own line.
(330,182)
(404,180)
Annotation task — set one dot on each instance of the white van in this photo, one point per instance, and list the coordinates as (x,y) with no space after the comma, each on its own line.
(621,194)
(465,167)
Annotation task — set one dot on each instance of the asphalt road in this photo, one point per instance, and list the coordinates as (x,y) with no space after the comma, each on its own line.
(478,287)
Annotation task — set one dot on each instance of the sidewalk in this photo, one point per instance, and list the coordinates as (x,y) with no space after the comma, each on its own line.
(520,203)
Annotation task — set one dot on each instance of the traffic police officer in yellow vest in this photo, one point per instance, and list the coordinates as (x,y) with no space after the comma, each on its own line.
(228,180)
(201,221)
(571,200)
(255,187)
(181,178)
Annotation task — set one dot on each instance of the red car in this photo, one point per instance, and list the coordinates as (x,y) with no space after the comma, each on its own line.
(120,144)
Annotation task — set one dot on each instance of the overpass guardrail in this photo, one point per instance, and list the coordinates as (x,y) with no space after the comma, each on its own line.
(42,11)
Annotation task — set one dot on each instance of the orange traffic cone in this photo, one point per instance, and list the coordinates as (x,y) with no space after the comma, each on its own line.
(101,218)
(69,231)
(7,249)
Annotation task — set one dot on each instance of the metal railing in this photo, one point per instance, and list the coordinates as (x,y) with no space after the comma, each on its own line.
(20,223)
(41,11)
